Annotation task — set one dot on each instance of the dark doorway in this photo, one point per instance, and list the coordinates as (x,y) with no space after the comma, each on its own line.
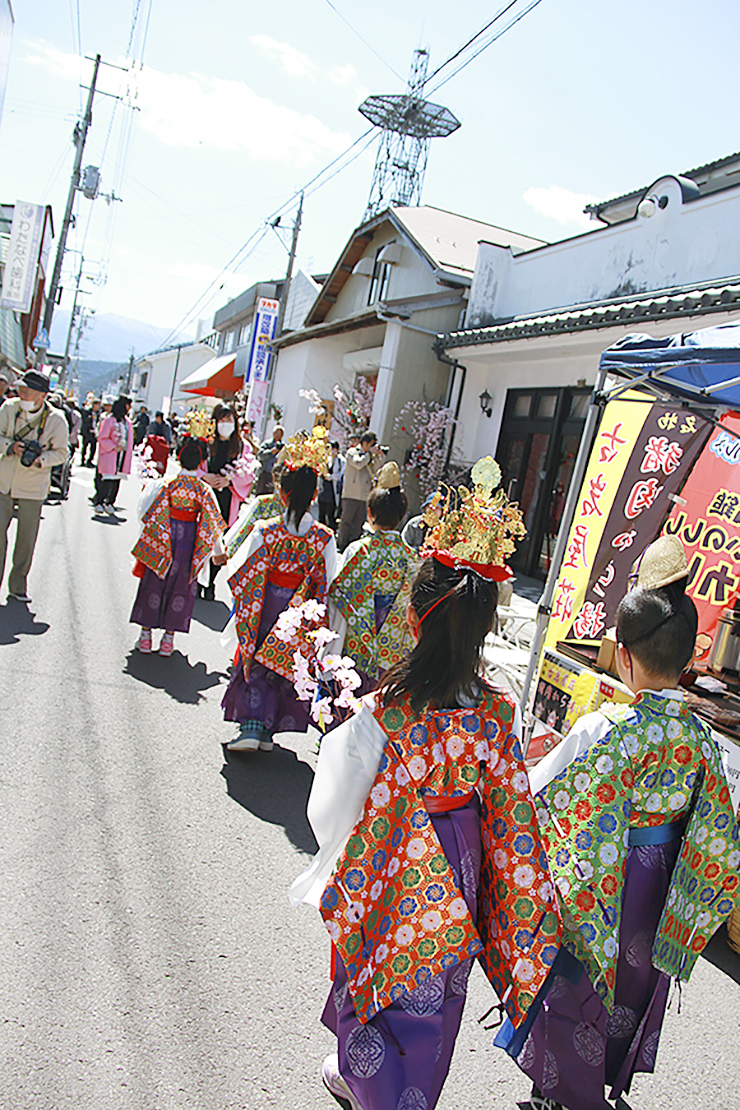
(537,447)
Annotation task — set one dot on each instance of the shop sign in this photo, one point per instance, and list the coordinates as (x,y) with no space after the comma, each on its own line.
(707,521)
(19,276)
(263,333)
(620,427)
(661,458)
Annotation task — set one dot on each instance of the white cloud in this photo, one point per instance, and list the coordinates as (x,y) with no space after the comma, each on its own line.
(561,204)
(192,110)
(291,60)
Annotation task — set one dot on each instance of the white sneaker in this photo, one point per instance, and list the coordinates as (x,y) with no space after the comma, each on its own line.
(335,1085)
(109,510)
(266,745)
(243,744)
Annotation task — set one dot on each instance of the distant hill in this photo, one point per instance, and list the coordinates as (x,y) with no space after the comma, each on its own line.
(109,338)
(94,375)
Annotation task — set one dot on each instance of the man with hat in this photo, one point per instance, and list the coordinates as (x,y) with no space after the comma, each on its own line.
(33,439)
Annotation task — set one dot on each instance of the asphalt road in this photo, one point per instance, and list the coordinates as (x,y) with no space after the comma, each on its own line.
(149,959)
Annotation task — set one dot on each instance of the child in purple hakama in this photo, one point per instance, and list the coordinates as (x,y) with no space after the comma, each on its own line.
(638,825)
(287,559)
(429,853)
(180,529)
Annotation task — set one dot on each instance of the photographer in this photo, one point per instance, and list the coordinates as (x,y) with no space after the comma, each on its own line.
(33,439)
(359,479)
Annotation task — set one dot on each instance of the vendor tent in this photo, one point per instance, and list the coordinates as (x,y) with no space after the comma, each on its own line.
(701,369)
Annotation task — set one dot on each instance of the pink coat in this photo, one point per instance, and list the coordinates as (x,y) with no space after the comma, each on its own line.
(108,447)
(240,485)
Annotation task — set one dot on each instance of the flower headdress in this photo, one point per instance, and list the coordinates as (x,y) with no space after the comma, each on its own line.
(303,450)
(477,529)
(200,425)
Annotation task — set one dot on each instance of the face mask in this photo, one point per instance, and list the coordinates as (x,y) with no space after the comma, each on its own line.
(30,406)
(225,428)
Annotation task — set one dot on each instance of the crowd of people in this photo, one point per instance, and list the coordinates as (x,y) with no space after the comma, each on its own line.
(582,885)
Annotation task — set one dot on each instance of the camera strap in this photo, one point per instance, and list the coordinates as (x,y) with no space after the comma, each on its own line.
(24,431)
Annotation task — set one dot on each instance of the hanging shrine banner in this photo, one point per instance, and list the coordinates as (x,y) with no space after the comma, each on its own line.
(707,521)
(655,459)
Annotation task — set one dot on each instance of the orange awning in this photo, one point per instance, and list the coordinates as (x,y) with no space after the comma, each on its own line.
(214,378)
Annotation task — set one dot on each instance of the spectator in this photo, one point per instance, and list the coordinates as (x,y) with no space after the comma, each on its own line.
(268,452)
(359,478)
(90,415)
(141,425)
(160,427)
(330,488)
(3,388)
(24,480)
(115,448)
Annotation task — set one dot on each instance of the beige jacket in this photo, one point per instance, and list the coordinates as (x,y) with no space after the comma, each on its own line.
(359,474)
(31,482)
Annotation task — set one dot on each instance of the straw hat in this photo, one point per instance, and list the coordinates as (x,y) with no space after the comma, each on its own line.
(663,562)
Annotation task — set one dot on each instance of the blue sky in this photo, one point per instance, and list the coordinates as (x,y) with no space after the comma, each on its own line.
(240,103)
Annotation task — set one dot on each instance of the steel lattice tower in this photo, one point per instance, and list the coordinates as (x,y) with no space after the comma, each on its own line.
(408,124)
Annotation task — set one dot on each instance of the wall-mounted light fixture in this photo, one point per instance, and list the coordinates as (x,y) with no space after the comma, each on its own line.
(485,403)
(650,205)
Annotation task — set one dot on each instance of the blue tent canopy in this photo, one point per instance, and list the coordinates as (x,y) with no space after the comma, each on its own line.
(701,365)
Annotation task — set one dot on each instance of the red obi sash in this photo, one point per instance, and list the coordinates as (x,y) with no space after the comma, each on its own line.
(288,580)
(183,514)
(445,803)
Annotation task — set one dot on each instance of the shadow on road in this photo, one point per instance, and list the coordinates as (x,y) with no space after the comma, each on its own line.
(179,678)
(719,953)
(98,519)
(17,620)
(213,614)
(274,786)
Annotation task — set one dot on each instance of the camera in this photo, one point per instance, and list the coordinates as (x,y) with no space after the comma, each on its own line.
(31,451)
(383,448)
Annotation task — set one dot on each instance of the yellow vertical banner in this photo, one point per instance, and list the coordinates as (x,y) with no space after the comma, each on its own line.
(621,424)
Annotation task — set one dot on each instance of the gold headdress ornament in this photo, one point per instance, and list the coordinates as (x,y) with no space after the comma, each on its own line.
(303,450)
(200,425)
(389,476)
(477,529)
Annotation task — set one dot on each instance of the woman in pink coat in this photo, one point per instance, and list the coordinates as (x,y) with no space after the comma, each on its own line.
(115,450)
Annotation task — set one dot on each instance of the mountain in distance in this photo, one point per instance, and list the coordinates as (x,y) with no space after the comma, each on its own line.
(108,337)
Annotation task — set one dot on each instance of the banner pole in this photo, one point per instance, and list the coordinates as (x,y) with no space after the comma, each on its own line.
(545,606)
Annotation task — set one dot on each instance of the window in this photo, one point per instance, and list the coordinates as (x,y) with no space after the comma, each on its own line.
(244,333)
(380,279)
(547,405)
(522,403)
(143,379)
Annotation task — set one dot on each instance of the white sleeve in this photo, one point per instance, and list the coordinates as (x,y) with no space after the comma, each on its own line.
(148,496)
(586,732)
(347,766)
(330,558)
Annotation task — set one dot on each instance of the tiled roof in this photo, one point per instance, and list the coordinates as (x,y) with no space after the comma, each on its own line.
(662,304)
(633,194)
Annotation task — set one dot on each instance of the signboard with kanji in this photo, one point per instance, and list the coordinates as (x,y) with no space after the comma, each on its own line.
(263,333)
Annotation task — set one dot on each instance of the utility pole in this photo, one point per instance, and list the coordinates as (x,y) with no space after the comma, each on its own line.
(283,304)
(78,138)
(174,378)
(70,329)
(130,372)
(288,275)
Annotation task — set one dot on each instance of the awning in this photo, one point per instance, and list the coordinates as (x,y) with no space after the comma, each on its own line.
(214,378)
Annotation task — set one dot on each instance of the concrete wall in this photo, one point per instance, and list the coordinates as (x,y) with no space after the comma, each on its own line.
(684,242)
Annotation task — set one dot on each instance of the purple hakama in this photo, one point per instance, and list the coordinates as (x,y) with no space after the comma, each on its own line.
(168,602)
(267,701)
(400,1059)
(575,1047)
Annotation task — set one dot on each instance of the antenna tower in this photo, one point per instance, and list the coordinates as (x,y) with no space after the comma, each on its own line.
(408,124)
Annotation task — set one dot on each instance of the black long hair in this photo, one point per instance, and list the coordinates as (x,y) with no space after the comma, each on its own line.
(387,506)
(446,662)
(659,628)
(119,408)
(300,485)
(234,441)
(191,453)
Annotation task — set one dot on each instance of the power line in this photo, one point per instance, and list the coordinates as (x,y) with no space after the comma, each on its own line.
(477,35)
(364,40)
(489,42)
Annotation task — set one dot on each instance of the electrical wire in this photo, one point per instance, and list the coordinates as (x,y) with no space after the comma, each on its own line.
(364,40)
(489,42)
(477,35)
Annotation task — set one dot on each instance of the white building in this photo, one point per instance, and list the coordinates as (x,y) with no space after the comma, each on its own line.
(402,277)
(157,376)
(664,260)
